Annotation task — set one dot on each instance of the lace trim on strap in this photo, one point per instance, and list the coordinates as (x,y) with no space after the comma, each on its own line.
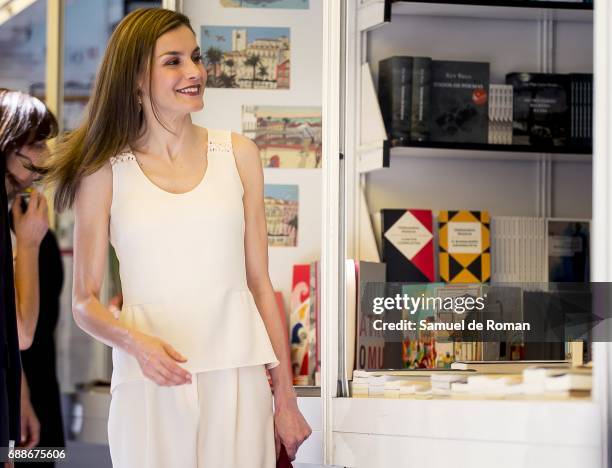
(218,147)
(122,157)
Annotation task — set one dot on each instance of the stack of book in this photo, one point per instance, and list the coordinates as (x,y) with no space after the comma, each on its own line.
(438,101)
(513,380)
(474,247)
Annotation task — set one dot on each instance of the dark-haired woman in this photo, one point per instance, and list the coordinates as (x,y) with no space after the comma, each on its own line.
(27,124)
(183,207)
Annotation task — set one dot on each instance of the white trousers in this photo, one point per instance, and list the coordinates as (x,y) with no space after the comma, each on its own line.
(223,419)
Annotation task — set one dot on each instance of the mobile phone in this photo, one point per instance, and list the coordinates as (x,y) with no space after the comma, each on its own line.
(24,199)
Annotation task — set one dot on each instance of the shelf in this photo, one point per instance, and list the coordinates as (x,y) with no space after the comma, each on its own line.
(374,13)
(378,156)
(490,152)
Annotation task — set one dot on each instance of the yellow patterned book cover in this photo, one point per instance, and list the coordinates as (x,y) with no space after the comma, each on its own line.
(465,246)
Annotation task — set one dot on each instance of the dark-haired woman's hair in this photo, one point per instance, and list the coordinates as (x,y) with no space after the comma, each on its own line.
(24,120)
(114,117)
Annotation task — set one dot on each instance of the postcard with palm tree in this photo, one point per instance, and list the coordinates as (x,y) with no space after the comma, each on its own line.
(246,57)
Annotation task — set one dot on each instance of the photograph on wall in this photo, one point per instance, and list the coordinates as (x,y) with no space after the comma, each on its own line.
(288,137)
(286,4)
(246,57)
(281,206)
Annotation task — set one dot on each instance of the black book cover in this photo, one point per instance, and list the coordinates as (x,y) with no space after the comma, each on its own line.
(395,96)
(421,99)
(541,109)
(459,101)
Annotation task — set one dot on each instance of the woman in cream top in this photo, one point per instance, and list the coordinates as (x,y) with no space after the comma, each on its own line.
(183,207)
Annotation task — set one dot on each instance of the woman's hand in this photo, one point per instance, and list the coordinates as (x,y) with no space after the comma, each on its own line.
(30,426)
(31,225)
(158,360)
(290,427)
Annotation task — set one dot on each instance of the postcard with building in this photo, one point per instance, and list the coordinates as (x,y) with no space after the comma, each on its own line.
(246,57)
(288,137)
(281,206)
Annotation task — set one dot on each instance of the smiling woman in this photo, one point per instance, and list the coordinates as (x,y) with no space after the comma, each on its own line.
(183,207)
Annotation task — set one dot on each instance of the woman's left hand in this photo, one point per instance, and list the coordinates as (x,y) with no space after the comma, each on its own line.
(290,427)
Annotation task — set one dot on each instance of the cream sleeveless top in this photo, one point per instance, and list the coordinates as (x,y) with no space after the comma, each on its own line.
(182,266)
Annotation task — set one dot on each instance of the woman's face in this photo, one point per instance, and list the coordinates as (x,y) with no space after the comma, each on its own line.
(18,176)
(178,75)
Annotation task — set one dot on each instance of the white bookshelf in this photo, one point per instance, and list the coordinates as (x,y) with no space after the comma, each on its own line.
(377,433)
(372,13)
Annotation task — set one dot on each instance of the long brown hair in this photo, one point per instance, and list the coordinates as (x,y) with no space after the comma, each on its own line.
(114,116)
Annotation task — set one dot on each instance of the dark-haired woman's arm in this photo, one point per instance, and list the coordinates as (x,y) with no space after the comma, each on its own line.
(30,229)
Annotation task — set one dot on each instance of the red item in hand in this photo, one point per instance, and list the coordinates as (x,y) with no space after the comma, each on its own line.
(283,459)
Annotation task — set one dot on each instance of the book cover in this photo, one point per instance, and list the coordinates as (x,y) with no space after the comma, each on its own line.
(465,249)
(408,248)
(541,109)
(299,323)
(395,96)
(459,101)
(313,324)
(419,348)
(568,250)
(421,99)
(370,343)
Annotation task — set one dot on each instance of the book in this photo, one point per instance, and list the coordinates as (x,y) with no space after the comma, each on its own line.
(500,114)
(541,109)
(408,248)
(299,323)
(569,381)
(369,343)
(420,121)
(465,249)
(568,250)
(459,101)
(581,109)
(419,349)
(395,97)
(314,362)
(506,367)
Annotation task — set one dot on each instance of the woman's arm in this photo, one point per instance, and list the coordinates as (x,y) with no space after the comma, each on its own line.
(91,227)
(30,229)
(30,426)
(290,424)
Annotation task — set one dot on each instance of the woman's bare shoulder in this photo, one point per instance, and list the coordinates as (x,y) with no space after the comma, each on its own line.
(96,189)
(248,162)
(245,149)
